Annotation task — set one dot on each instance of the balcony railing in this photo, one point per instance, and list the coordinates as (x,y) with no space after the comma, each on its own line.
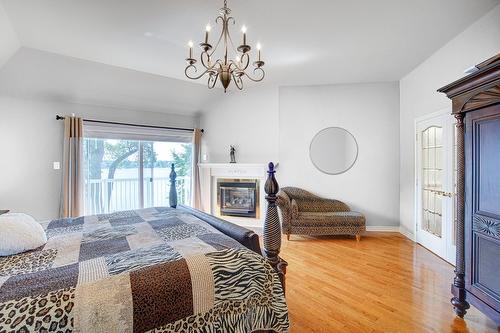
(111,195)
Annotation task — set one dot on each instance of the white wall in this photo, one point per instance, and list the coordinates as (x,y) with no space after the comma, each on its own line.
(8,37)
(246,119)
(271,124)
(418,94)
(31,139)
(371,113)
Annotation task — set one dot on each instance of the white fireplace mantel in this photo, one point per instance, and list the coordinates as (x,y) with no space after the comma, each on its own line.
(210,172)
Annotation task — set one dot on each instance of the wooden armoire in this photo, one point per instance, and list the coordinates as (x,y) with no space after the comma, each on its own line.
(476,107)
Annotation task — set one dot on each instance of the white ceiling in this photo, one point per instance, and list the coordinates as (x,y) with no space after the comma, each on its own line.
(9,41)
(304,42)
(38,74)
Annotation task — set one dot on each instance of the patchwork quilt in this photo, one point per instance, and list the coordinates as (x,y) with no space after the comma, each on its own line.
(149,270)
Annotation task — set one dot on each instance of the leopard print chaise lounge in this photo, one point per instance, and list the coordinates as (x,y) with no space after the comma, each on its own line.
(304,213)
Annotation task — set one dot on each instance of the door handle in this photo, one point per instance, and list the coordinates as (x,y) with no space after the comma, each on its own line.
(444,194)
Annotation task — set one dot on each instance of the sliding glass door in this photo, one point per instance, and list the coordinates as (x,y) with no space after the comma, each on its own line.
(130,173)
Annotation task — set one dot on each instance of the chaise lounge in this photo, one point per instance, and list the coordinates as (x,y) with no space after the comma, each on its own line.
(304,213)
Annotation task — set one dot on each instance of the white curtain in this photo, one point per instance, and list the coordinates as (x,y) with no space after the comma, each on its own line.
(72,182)
(195,183)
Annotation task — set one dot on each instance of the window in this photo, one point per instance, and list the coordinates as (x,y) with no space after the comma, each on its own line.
(128,167)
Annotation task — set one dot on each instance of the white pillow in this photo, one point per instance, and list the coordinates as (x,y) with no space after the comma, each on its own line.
(19,233)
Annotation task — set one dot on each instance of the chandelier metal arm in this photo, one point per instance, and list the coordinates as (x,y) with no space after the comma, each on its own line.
(238,65)
(205,56)
(225,32)
(210,69)
(258,69)
(234,48)
(195,70)
(212,80)
(247,57)
(238,82)
(217,20)
(233,65)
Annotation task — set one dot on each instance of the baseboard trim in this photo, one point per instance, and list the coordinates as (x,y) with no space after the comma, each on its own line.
(403,231)
(387,228)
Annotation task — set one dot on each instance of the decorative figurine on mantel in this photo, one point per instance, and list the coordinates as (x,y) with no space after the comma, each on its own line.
(232,151)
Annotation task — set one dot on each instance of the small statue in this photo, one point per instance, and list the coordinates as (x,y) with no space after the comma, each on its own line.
(232,151)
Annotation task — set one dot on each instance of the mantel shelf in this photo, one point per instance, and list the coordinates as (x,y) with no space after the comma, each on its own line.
(233,165)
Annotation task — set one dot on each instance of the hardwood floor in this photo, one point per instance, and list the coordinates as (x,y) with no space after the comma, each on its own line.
(384,283)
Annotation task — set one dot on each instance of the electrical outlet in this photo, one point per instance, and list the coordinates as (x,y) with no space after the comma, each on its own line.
(57,165)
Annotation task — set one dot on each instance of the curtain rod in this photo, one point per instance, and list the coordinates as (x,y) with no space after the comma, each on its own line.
(58,117)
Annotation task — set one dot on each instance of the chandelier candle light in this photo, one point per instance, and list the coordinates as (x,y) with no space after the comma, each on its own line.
(224,68)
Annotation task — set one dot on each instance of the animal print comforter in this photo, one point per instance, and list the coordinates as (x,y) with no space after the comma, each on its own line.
(149,270)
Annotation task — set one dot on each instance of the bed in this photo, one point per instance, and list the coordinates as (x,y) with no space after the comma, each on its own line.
(163,269)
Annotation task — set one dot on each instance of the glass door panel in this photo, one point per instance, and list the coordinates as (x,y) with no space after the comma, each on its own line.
(157,159)
(111,175)
(432,185)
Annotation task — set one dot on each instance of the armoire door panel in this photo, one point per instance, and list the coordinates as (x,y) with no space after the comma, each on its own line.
(487,166)
(485,282)
(483,205)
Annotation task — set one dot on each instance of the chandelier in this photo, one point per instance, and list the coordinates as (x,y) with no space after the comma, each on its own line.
(224,68)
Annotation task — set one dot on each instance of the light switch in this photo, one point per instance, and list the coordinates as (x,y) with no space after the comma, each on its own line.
(57,165)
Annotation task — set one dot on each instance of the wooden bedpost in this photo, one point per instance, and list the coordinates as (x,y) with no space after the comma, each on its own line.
(272,227)
(173,189)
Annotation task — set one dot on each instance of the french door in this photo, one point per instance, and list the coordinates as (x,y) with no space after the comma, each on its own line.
(435,184)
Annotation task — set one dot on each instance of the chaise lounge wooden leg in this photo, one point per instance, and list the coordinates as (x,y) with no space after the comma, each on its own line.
(287,237)
(358,237)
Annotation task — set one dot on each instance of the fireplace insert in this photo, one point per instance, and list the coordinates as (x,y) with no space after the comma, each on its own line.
(238,197)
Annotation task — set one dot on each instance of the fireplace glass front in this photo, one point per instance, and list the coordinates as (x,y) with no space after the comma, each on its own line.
(238,197)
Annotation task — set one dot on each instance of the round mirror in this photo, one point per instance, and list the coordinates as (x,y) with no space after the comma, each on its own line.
(333,150)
